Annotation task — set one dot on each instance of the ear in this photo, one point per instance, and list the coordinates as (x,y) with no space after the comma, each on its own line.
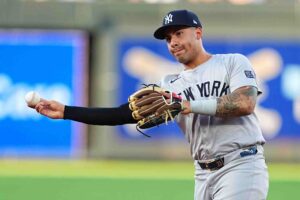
(198,32)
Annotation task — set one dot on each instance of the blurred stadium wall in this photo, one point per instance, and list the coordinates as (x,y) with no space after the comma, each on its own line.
(117,55)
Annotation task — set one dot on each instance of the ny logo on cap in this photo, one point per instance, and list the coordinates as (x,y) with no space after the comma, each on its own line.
(168,18)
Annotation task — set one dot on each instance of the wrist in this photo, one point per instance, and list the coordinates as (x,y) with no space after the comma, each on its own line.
(186,107)
(63,111)
(205,107)
(66,112)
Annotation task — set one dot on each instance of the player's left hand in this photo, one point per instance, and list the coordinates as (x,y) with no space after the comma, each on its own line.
(186,107)
(153,105)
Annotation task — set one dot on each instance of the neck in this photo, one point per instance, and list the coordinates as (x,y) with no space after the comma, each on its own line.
(201,58)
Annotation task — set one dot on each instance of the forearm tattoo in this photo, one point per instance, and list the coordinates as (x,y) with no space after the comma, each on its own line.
(240,102)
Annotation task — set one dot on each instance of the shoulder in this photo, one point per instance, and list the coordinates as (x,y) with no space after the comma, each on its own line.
(231,57)
(235,61)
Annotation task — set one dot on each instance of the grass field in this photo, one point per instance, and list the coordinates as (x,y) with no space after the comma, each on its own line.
(119,180)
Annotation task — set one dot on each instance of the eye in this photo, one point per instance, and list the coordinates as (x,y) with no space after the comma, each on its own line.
(168,39)
(179,33)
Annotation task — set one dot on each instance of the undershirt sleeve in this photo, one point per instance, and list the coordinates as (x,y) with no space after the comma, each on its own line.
(100,116)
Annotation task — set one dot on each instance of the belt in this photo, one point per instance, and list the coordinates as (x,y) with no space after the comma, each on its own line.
(212,165)
(218,163)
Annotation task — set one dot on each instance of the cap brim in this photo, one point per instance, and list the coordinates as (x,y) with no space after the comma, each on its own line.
(160,32)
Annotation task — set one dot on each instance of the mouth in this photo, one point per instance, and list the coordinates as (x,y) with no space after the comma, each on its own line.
(178,51)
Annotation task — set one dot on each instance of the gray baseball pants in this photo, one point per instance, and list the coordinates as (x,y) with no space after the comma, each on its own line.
(241,178)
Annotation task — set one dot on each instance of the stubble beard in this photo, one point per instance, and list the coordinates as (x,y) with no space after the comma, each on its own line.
(183,59)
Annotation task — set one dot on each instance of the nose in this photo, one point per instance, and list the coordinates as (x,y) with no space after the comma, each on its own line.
(173,42)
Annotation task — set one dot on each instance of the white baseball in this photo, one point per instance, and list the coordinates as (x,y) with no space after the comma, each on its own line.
(32,98)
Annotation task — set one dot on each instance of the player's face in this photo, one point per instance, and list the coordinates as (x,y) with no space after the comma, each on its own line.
(183,43)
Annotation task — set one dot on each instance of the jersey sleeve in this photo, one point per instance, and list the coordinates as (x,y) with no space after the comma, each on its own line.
(242,73)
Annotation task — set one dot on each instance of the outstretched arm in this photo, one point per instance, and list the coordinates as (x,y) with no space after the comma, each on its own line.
(95,116)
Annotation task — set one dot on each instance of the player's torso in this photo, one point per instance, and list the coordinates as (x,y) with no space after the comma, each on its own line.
(211,136)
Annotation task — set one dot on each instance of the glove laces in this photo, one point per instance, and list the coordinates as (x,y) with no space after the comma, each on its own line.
(167,113)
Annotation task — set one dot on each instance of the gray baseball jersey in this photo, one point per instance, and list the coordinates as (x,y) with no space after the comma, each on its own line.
(211,136)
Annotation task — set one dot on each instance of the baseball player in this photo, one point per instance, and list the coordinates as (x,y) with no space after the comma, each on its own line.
(219,94)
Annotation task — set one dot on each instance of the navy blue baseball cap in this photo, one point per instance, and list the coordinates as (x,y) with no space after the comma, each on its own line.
(177,18)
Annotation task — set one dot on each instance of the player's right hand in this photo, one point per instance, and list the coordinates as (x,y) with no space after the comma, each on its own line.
(51,109)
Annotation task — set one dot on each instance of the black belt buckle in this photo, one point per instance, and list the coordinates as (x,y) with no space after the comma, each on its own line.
(213,165)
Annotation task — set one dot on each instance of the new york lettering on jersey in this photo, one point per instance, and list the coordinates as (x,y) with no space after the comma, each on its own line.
(197,89)
(207,89)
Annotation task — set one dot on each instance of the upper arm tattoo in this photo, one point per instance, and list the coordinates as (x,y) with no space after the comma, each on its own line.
(240,102)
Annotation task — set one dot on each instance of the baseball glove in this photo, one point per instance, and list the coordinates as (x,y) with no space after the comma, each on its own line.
(152,106)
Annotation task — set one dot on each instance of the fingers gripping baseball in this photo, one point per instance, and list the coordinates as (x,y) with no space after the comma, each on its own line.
(51,109)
